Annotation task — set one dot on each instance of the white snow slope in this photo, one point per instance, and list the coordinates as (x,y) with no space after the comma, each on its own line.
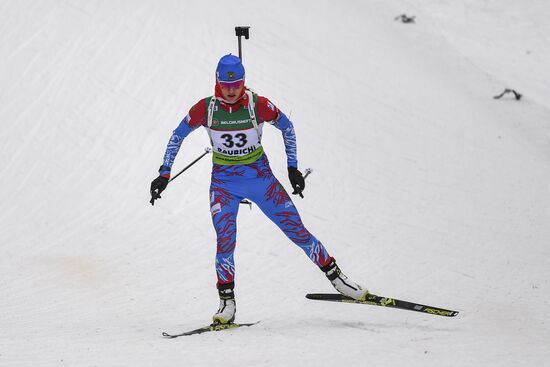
(425,187)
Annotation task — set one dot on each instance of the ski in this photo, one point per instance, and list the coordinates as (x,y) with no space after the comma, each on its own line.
(205,329)
(375,300)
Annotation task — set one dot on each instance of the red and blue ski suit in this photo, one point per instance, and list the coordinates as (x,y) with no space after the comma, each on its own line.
(241,170)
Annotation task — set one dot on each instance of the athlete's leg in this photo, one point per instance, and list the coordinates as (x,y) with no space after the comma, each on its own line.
(224,207)
(274,201)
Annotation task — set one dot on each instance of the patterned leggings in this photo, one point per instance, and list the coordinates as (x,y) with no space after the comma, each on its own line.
(256,182)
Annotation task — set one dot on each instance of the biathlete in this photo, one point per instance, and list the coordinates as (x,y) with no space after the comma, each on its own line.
(234,118)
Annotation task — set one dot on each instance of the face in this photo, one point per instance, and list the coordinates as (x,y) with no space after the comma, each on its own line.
(231,91)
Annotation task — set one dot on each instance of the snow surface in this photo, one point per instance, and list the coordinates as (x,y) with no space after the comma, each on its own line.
(425,187)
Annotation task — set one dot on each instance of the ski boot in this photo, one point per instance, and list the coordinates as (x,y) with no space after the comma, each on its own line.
(227,309)
(342,283)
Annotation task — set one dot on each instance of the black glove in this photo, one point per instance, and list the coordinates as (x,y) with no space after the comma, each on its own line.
(157,186)
(297,181)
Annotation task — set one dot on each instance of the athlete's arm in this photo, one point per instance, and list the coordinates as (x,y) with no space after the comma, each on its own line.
(272,115)
(195,118)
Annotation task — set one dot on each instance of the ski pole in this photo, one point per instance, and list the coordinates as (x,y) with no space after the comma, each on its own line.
(206,151)
(308,171)
(239,32)
(156,195)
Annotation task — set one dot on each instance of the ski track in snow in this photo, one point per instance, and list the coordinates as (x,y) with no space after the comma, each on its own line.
(424,187)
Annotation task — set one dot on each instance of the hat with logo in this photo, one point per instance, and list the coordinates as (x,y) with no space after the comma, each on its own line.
(230,69)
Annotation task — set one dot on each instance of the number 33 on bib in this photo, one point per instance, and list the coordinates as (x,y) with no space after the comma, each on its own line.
(236,137)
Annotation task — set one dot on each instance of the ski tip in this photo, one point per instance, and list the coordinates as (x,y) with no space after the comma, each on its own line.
(249,323)
(446,313)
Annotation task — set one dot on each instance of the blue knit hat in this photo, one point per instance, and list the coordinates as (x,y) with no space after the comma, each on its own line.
(230,69)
